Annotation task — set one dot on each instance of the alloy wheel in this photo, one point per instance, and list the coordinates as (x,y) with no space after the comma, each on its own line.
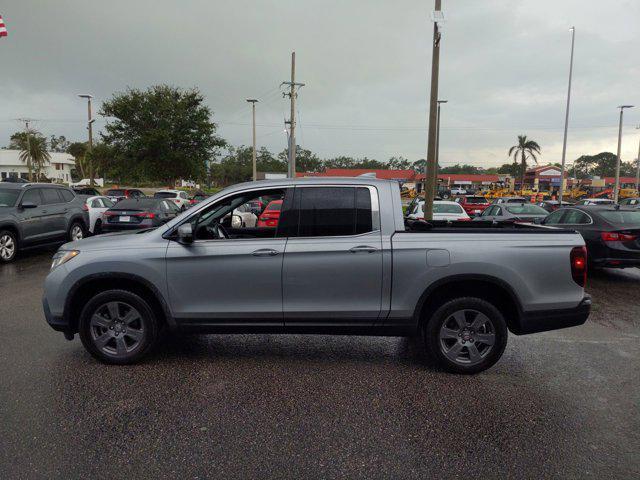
(7,247)
(77,233)
(116,328)
(467,337)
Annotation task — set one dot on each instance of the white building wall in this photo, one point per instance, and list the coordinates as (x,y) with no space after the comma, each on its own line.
(58,169)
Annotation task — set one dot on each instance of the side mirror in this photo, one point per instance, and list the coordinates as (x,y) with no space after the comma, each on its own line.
(28,205)
(185,234)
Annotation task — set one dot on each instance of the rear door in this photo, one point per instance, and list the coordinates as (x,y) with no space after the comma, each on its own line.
(56,209)
(332,270)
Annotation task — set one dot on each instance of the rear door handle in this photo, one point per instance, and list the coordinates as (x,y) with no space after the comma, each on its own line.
(265,252)
(363,249)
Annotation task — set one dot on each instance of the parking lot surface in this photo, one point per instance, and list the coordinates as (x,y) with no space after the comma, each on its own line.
(561,404)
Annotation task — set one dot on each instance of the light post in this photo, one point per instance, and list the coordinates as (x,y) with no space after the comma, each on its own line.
(438,141)
(253,102)
(90,121)
(566,118)
(616,186)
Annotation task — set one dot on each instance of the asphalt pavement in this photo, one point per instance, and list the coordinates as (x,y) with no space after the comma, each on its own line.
(562,404)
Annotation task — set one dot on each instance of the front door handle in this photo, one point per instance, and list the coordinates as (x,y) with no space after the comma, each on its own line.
(265,252)
(363,249)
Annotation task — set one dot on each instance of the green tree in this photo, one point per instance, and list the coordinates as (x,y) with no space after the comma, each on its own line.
(524,147)
(161,134)
(509,169)
(79,150)
(399,163)
(58,144)
(33,151)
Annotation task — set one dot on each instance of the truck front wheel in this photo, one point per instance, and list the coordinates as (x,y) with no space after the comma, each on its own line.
(466,335)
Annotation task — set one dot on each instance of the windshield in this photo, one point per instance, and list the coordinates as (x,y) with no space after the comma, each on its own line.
(446,208)
(527,209)
(116,193)
(8,197)
(622,217)
(164,195)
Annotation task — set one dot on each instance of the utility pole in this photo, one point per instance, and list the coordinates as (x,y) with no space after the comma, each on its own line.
(292,118)
(253,102)
(638,166)
(616,186)
(26,132)
(431,166)
(90,121)
(566,118)
(438,140)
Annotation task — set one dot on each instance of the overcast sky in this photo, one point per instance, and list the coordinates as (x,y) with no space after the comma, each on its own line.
(366,65)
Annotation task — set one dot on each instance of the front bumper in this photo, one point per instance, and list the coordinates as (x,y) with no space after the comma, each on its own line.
(56,322)
(545,320)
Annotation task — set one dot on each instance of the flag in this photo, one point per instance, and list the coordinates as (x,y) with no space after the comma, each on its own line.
(3,29)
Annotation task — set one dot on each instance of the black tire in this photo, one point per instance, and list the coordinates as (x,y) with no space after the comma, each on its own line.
(97,228)
(74,228)
(8,246)
(474,354)
(146,327)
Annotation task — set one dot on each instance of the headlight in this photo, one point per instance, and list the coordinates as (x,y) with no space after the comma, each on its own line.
(63,256)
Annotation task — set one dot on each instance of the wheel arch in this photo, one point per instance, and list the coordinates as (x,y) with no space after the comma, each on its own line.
(13,228)
(93,284)
(486,287)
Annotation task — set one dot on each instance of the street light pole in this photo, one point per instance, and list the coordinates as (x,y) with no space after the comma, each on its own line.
(566,118)
(440,102)
(253,102)
(616,186)
(430,168)
(90,128)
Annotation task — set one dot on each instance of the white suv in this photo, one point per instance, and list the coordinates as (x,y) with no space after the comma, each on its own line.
(179,197)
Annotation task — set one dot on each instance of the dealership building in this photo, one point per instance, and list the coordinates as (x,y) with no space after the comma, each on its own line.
(58,169)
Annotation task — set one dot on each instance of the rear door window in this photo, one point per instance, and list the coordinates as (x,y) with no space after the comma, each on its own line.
(50,196)
(576,217)
(66,195)
(554,218)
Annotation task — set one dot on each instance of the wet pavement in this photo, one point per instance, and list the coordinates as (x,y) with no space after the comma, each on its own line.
(559,404)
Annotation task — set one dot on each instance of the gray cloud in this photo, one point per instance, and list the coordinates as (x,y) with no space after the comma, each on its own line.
(366,65)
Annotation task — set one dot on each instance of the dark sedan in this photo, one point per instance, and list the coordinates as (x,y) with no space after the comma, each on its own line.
(136,214)
(611,233)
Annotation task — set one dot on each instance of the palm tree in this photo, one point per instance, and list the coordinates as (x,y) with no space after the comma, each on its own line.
(34,153)
(523,148)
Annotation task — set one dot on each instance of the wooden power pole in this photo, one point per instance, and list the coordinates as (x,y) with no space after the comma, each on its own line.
(292,118)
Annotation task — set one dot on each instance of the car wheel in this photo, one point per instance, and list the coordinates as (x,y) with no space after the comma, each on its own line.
(118,327)
(76,232)
(8,246)
(97,228)
(466,335)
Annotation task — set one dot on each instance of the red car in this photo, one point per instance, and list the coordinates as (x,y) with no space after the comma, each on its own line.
(473,205)
(271,215)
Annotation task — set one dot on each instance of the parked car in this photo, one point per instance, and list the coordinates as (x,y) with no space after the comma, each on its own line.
(553,205)
(500,200)
(595,201)
(473,204)
(630,202)
(178,197)
(117,194)
(339,261)
(457,190)
(34,214)
(97,207)
(442,210)
(513,212)
(197,198)
(90,191)
(611,233)
(138,214)
(270,215)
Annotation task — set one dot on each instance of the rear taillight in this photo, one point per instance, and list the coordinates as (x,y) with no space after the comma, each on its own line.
(617,237)
(579,265)
(192,201)
(146,215)
(109,213)
(85,207)
(467,219)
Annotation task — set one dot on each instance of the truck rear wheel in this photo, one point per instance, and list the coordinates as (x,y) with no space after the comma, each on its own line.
(466,335)
(118,326)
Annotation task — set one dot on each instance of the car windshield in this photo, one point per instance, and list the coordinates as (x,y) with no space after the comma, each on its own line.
(515,200)
(622,217)
(164,195)
(446,208)
(8,197)
(142,204)
(116,193)
(476,200)
(527,209)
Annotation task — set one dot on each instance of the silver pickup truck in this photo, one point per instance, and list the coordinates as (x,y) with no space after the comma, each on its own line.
(322,256)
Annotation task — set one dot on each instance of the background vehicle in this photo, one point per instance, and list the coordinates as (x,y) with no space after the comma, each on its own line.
(271,215)
(457,190)
(197,198)
(473,205)
(500,200)
(514,212)
(595,201)
(33,214)
(97,206)
(442,210)
(553,205)
(631,202)
(611,233)
(138,214)
(117,194)
(178,197)
(340,261)
(92,192)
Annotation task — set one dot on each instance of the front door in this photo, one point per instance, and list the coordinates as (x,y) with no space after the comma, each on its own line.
(230,275)
(332,271)
(34,221)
